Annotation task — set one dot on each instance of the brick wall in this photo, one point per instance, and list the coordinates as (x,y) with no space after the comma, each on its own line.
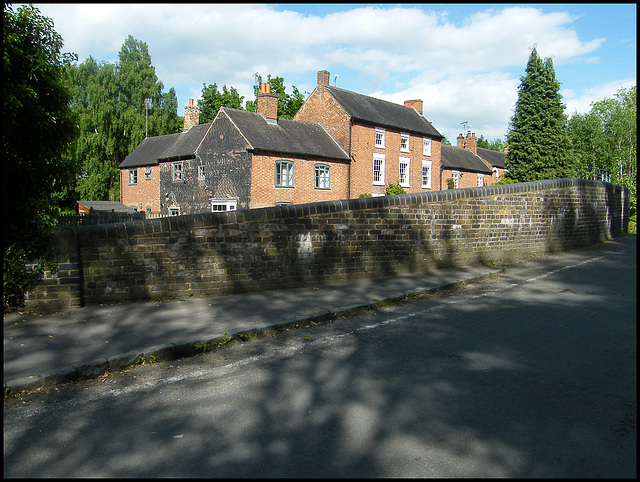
(62,289)
(322,108)
(264,192)
(358,140)
(215,254)
(362,152)
(145,193)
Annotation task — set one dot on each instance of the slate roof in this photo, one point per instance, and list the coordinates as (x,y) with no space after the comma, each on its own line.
(285,137)
(495,158)
(462,159)
(153,150)
(383,113)
(106,206)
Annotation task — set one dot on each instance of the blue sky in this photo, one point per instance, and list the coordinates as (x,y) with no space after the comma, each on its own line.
(463,60)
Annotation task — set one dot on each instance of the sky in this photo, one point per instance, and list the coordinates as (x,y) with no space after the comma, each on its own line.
(465,61)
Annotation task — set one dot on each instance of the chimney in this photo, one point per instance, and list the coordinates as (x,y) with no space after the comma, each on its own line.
(323,78)
(267,103)
(191,115)
(471,142)
(416,104)
(460,141)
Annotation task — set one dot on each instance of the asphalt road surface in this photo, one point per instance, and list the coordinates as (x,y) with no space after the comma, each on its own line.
(529,374)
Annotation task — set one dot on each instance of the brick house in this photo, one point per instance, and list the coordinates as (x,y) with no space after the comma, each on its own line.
(239,160)
(140,172)
(386,142)
(469,165)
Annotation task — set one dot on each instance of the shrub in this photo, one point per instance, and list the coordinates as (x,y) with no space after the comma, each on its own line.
(393,189)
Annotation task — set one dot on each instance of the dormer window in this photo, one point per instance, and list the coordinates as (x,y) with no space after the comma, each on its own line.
(404,142)
(379,138)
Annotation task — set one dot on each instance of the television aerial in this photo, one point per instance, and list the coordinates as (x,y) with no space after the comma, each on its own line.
(147,106)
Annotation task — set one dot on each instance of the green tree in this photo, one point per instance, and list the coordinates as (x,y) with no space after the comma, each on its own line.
(37,127)
(109,100)
(213,99)
(539,147)
(95,102)
(495,145)
(288,105)
(604,140)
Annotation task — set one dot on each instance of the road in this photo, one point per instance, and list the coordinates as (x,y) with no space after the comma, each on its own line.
(531,373)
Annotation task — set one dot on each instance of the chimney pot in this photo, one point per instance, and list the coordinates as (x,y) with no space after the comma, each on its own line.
(267,103)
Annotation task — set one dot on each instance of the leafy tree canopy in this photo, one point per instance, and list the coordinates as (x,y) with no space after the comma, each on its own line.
(38,125)
(113,117)
(495,145)
(288,105)
(213,99)
(604,141)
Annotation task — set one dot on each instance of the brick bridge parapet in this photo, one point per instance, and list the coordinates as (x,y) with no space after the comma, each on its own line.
(214,254)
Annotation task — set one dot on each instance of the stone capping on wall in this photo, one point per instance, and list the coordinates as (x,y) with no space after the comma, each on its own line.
(325,207)
(201,220)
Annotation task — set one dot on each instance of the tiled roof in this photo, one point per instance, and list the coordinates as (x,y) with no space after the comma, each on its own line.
(383,113)
(285,137)
(152,150)
(462,159)
(495,158)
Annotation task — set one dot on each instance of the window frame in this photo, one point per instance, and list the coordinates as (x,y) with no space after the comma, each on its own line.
(133,177)
(426,146)
(177,174)
(379,131)
(480,180)
(429,166)
(147,173)
(381,159)
(406,161)
(228,204)
(174,211)
(404,137)
(201,174)
(284,177)
(322,176)
(455,175)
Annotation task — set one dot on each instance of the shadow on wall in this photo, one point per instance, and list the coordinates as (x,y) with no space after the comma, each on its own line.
(213,254)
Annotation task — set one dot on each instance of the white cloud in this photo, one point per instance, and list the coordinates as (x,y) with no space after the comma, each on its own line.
(582,103)
(463,68)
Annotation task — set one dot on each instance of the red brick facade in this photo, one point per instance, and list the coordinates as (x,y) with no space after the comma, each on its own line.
(145,193)
(358,140)
(265,193)
(363,152)
(470,142)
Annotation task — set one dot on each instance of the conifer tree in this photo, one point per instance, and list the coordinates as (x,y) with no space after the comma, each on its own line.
(538,142)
